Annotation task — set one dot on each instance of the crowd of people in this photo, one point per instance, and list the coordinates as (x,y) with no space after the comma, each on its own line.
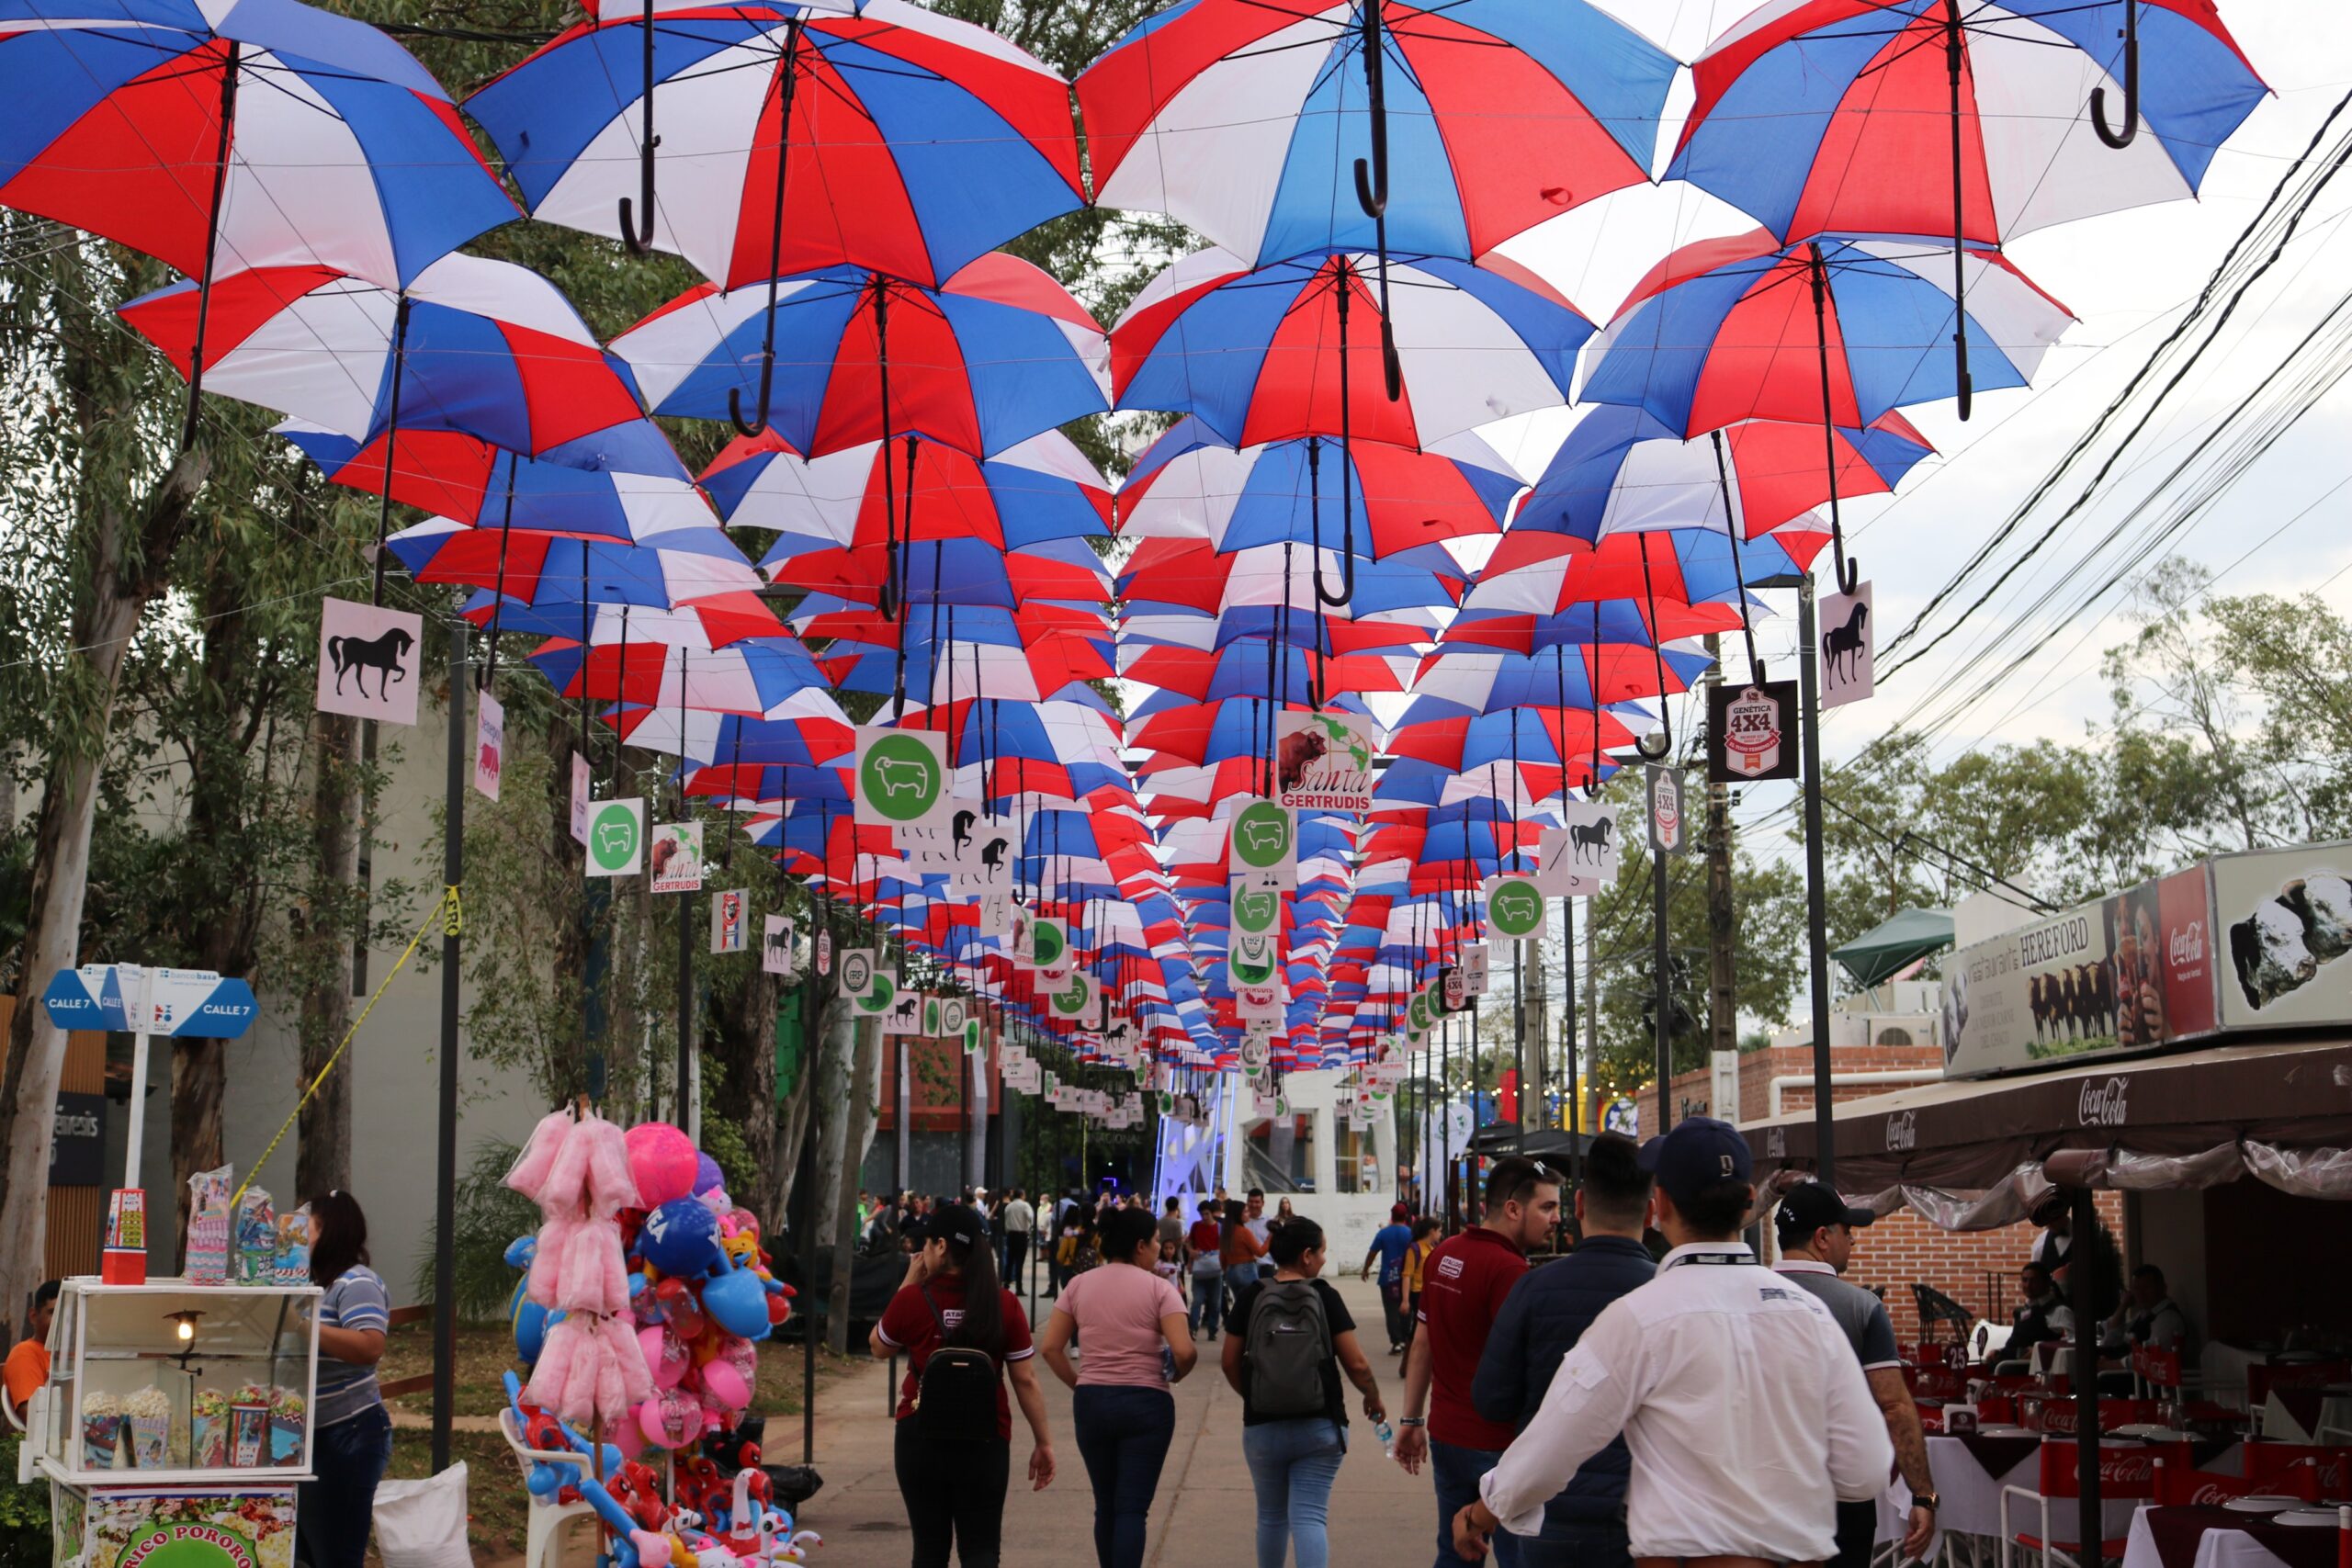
(1613,1404)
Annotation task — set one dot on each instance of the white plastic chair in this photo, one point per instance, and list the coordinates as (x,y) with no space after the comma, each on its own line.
(548,1519)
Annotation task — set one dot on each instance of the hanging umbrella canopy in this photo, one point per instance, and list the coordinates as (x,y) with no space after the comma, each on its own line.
(622,482)
(1894,945)
(545,570)
(1258,356)
(996,354)
(1144,623)
(945,572)
(1474,682)
(1036,489)
(715,622)
(1247,121)
(753,678)
(1197,577)
(1837,116)
(917,142)
(1726,330)
(1621,472)
(485,348)
(1241,670)
(1189,485)
(808,727)
(237,134)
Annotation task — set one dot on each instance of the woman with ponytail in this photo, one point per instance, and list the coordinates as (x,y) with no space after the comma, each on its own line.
(962,1334)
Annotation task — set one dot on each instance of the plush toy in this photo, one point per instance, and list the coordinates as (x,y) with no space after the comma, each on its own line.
(709,1178)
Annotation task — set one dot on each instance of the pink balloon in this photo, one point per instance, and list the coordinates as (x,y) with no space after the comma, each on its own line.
(629,1439)
(671,1420)
(723,1383)
(666,1355)
(664,1162)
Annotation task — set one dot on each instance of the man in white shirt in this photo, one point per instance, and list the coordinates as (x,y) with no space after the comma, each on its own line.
(1018,1219)
(1746,1411)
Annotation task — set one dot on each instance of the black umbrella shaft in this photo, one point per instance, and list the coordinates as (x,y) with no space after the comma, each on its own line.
(1816,897)
(1955,60)
(1732,528)
(211,242)
(391,442)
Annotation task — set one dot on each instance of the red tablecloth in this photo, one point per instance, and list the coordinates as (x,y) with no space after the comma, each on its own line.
(2176,1532)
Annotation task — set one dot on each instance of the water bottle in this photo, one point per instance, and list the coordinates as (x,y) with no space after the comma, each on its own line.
(1387,1436)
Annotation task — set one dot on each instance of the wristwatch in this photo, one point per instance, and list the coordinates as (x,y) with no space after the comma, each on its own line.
(1412,1420)
(1931,1501)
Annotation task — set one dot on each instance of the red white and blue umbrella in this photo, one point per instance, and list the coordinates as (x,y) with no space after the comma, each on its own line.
(916,142)
(755,677)
(994,355)
(234,134)
(622,482)
(545,570)
(485,348)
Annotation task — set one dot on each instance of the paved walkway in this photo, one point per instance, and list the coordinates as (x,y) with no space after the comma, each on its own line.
(1205,1513)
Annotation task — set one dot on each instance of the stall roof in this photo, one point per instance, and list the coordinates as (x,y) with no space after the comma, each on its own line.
(1894,945)
(1964,1136)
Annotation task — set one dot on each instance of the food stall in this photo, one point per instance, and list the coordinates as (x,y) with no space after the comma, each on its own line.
(174,1428)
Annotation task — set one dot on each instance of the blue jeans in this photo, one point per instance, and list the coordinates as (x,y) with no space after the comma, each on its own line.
(334,1512)
(1292,1465)
(1594,1546)
(1456,1472)
(1123,1436)
(1240,1275)
(1208,1302)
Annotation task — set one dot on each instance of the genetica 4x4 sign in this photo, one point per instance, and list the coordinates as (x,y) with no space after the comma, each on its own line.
(1750,730)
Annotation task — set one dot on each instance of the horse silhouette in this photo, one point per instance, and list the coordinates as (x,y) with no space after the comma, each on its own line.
(1844,646)
(1593,836)
(355,656)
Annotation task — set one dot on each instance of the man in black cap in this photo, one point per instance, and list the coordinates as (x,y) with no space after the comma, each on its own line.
(1746,1417)
(1817,1230)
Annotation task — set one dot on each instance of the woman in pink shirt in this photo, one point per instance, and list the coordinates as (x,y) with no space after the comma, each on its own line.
(1136,1342)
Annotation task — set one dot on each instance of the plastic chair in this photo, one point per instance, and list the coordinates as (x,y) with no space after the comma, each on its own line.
(2127,1473)
(2267,1461)
(548,1518)
(2179,1484)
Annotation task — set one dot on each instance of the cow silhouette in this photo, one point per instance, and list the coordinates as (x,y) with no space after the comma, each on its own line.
(1844,646)
(1254,908)
(1592,836)
(1263,835)
(899,775)
(355,656)
(1516,908)
(615,837)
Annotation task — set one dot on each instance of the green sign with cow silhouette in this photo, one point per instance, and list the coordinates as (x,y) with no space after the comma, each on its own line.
(902,778)
(1514,909)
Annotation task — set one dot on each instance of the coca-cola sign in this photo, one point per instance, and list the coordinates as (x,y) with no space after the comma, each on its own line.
(1902,1131)
(2104,1103)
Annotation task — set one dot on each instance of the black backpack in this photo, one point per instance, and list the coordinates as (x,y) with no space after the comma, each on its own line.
(956,1400)
(1288,1345)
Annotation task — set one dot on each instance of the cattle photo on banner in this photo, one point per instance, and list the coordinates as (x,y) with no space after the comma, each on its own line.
(677,857)
(1669,830)
(1751,731)
(1323,762)
(1846,646)
(901,780)
(584,796)
(490,744)
(368,659)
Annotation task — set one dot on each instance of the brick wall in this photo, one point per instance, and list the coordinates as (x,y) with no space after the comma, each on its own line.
(1976,1269)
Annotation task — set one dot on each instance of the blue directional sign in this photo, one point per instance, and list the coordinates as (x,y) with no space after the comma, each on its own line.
(178,1003)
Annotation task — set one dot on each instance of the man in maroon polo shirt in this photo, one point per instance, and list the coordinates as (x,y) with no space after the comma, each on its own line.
(1464,1282)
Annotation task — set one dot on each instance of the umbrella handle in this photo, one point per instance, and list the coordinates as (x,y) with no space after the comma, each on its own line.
(637,233)
(2122,139)
(1391,367)
(758,422)
(1666,737)
(1849,569)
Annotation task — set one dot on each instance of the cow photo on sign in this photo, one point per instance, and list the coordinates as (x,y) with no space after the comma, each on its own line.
(368,659)
(1323,762)
(1846,640)
(1751,731)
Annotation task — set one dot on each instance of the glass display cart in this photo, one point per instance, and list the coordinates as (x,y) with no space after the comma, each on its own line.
(176,1417)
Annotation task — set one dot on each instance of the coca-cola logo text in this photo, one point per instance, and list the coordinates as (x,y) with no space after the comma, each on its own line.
(2187,945)
(2102,1103)
(1903,1131)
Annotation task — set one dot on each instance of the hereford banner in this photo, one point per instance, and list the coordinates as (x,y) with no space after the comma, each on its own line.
(2130,971)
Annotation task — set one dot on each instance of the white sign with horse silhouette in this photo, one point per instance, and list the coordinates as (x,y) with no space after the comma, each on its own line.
(1845,646)
(1579,857)
(1323,762)
(368,659)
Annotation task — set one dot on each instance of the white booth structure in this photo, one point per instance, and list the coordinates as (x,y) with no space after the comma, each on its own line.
(1337,1169)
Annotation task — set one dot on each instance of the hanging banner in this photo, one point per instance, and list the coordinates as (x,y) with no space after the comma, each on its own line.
(1515,908)
(1023,940)
(901,779)
(981,853)
(1751,731)
(583,793)
(881,996)
(368,659)
(1252,958)
(616,838)
(1579,857)
(825,952)
(730,920)
(776,945)
(1049,946)
(858,971)
(992,915)
(1257,909)
(1452,989)
(1846,646)
(2283,931)
(953,1010)
(1075,1001)
(974,1043)
(1264,842)
(1259,1003)
(490,742)
(1323,762)
(1669,834)
(677,857)
(905,1013)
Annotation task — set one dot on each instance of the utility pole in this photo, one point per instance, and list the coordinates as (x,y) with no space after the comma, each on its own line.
(1534,1084)
(1591,996)
(1722,1004)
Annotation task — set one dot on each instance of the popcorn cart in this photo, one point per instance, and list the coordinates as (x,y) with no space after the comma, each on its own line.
(174,1426)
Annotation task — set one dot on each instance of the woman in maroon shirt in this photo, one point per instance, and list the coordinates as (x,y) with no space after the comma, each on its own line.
(954,1488)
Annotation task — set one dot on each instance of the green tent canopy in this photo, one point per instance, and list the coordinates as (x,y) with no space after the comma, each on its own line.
(1889,948)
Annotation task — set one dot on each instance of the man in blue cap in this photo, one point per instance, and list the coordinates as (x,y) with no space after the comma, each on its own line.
(1745,1410)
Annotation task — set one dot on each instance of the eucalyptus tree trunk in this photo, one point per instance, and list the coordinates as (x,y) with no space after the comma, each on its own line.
(128,556)
(322,1159)
(858,1119)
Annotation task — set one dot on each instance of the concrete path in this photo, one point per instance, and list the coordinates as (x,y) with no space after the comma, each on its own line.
(1205,1513)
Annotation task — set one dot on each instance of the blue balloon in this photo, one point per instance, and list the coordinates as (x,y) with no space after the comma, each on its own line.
(530,1330)
(680,1237)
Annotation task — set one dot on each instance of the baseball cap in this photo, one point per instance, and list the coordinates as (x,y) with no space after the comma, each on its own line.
(1399,1211)
(1808,1206)
(1699,1150)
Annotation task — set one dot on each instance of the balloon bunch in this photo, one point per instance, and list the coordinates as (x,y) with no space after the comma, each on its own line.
(648,1532)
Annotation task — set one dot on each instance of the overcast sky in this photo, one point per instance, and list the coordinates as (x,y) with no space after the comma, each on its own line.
(2281,528)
